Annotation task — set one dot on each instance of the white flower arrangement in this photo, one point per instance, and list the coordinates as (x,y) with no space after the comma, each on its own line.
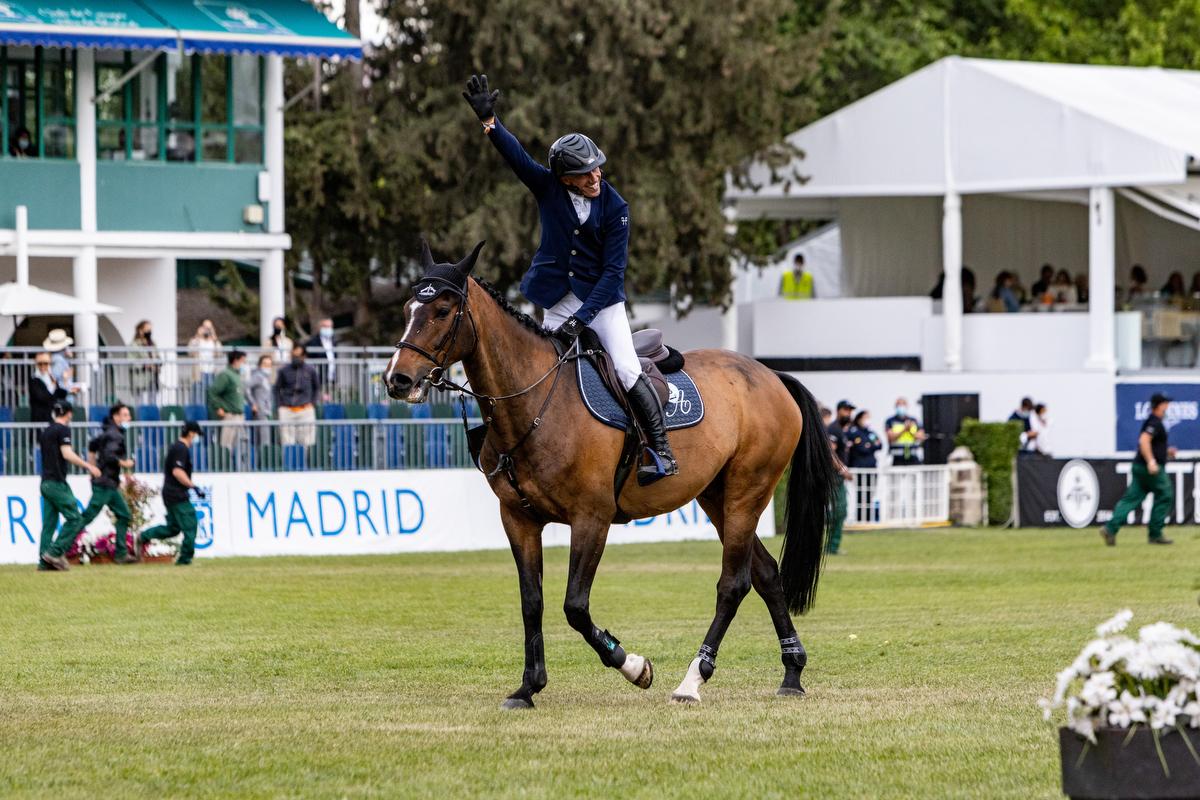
(1121,682)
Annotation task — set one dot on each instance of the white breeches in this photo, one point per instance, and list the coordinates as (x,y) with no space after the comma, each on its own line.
(612,326)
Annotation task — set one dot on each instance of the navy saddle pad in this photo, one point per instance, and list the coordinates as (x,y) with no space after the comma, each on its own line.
(683,409)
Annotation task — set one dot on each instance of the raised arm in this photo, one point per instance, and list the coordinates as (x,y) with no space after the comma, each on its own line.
(483,102)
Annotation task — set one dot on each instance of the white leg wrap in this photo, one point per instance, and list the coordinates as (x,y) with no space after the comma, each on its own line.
(689,688)
(633,666)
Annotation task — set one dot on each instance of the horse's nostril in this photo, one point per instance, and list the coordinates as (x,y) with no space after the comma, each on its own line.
(401,381)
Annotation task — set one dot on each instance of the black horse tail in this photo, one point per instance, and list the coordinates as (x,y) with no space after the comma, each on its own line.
(811,491)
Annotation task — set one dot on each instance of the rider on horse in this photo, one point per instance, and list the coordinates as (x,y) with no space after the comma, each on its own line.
(578,271)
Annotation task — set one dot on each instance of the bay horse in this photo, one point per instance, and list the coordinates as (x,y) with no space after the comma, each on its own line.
(548,460)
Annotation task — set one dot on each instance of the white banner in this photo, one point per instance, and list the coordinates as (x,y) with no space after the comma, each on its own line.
(338,513)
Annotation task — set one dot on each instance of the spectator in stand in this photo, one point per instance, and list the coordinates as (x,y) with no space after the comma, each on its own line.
(296,390)
(204,346)
(904,435)
(1042,285)
(836,431)
(261,389)
(1063,289)
(227,399)
(1022,415)
(1137,283)
(863,442)
(44,390)
(968,289)
(1174,286)
(797,284)
(1003,297)
(145,378)
(58,345)
(279,343)
(1081,287)
(321,346)
(21,144)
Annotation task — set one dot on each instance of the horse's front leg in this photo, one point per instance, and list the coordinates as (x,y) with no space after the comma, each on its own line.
(587,547)
(525,538)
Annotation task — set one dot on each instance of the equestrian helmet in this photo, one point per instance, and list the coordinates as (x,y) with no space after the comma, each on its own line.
(574,154)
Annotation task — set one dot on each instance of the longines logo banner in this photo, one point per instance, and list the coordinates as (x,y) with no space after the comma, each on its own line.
(1083,492)
(1183,414)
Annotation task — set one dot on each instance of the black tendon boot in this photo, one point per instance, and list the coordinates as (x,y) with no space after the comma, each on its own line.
(649,413)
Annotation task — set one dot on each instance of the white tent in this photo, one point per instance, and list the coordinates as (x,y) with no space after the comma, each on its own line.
(996,131)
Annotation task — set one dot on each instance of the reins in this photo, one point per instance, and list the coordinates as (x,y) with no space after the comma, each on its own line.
(437,379)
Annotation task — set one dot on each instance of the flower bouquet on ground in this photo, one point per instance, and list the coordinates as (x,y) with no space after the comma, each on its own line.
(1132,714)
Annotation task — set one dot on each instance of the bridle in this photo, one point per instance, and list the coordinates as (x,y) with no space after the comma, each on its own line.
(438,379)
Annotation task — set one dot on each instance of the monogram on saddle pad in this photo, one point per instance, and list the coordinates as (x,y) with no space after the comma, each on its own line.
(605,397)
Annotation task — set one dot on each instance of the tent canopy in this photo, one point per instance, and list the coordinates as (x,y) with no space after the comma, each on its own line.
(23,300)
(279,27)
(982,126)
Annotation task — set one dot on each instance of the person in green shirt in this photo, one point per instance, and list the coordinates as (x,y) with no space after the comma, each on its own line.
(227,399)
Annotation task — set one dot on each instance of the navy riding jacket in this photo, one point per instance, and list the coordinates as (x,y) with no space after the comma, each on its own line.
(587,258)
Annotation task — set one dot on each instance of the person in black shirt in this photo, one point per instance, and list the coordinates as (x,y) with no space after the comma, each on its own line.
(836,430)
(44,389)
(177,480)
(57,497)
(863,442)
(111,456)
(1148,476)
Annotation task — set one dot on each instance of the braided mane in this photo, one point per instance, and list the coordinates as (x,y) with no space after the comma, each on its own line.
(526,321)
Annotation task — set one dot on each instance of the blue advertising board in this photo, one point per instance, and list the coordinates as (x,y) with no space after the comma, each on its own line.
(1183,414)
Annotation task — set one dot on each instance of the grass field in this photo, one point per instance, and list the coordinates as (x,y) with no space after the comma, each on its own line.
(382,677)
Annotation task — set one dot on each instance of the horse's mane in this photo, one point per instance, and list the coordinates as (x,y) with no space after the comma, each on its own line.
(526,321)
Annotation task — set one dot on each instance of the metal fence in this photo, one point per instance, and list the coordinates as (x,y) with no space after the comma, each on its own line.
(169,377)
(898,497)
(269,446)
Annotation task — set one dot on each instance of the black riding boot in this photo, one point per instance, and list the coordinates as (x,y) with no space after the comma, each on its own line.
(644,402)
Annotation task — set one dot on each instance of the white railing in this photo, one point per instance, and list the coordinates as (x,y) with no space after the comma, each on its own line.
(898,497)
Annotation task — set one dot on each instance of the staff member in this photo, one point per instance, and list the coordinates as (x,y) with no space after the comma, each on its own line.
(1148,476)
(177,479)
(904,435)
(57,497)
(111,456)
(836,430)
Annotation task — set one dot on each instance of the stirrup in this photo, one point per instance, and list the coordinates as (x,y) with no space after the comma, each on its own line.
(661,467)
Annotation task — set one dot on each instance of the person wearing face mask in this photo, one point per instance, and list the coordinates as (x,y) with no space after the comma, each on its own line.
(296,390)
(864,443)
(904,435)
(204,346)
(279,344)
(578,272)
(320,350)
(109,453)
(145,378)
(21,144)
(44,390)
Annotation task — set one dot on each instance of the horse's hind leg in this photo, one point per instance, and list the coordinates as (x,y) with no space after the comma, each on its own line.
(525,538)
(764,576)
(587,546)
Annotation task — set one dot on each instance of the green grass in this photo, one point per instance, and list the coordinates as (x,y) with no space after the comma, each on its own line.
(382,676)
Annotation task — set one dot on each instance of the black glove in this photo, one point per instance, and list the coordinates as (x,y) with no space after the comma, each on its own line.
(483,102)
(569,331)
(199,492)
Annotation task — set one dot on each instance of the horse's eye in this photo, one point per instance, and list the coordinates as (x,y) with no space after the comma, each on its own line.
(443,313)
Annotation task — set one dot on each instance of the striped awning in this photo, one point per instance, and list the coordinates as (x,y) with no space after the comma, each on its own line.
(278,27)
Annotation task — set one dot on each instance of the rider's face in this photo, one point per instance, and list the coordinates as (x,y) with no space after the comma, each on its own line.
(588,184)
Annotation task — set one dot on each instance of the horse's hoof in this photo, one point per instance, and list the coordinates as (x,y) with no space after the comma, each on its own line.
(647,677)
(516,704)
(789,691)
(685,699)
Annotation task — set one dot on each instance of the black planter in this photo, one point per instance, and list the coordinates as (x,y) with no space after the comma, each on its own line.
(1113,769)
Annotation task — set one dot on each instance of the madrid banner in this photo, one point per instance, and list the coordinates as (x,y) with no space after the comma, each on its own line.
(338,513)
(1082,492)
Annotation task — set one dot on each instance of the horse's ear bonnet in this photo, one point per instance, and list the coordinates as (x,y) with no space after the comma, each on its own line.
(444,277)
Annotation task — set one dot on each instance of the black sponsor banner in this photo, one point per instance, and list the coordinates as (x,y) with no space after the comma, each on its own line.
(1080,492)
